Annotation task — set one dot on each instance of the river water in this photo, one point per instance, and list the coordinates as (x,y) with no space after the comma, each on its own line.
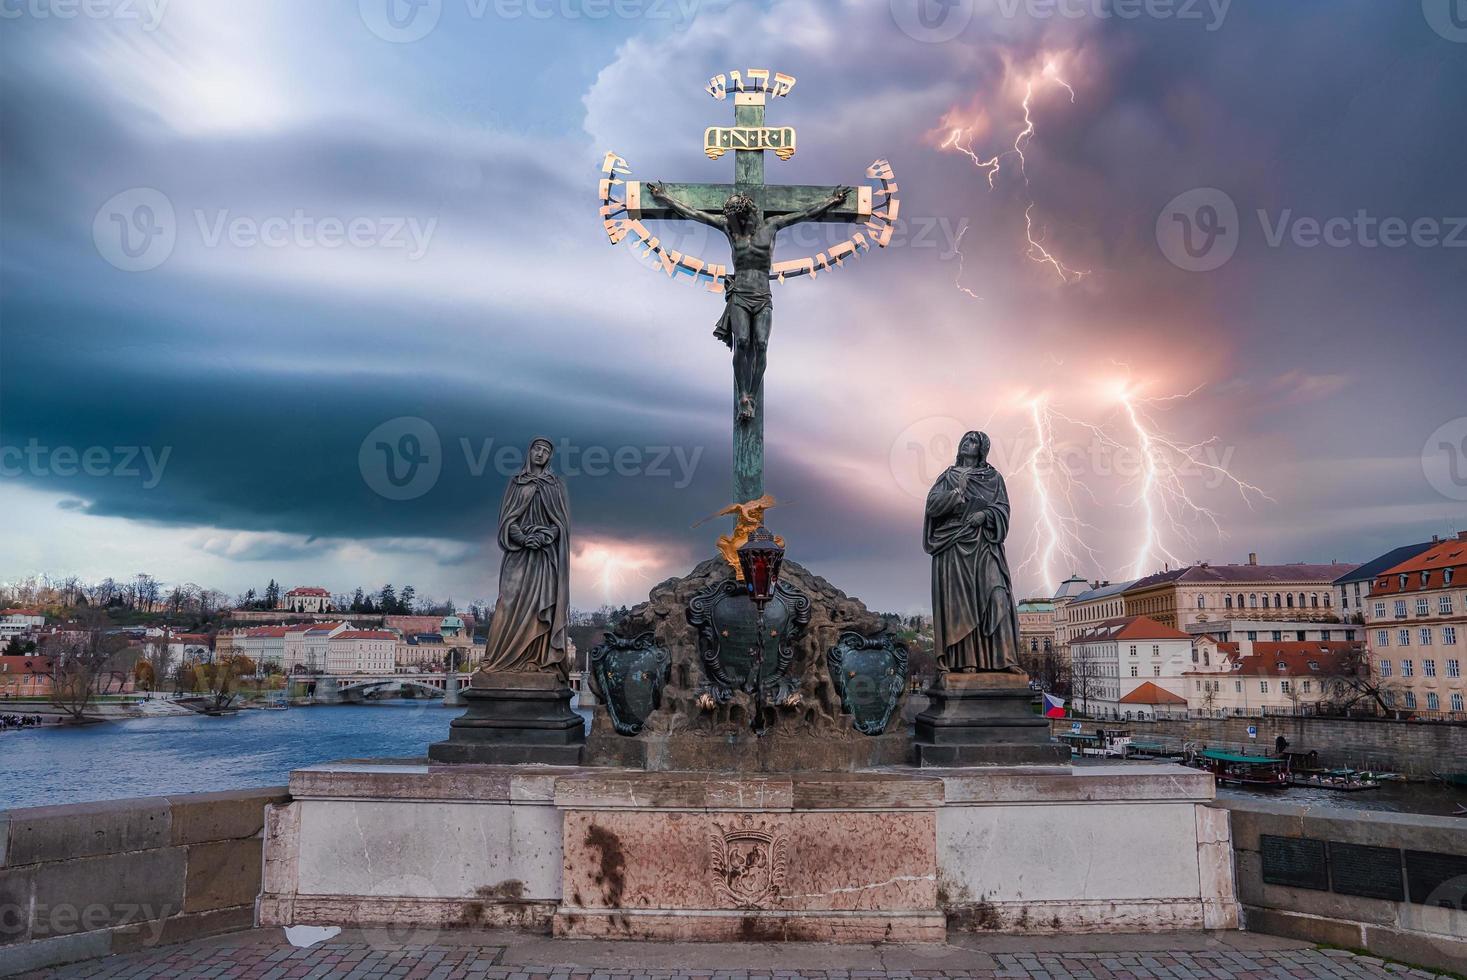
(196,754)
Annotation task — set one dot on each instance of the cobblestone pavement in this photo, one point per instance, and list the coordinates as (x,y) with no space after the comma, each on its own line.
(265,954)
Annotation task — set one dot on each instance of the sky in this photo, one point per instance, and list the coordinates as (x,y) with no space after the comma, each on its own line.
(286,289)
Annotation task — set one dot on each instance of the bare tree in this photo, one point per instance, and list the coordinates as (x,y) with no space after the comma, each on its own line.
(79,660)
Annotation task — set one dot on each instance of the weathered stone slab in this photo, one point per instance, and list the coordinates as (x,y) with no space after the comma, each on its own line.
(109,890)
(460,850)
(41,953)
(423,781)
(753,926)
(1056,853)
(222,874)
(58,833)
(1063,784)
(183,928)
(200,817)
(744,874)
(15,905)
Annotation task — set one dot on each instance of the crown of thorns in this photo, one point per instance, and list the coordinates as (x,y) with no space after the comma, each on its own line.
(738,204)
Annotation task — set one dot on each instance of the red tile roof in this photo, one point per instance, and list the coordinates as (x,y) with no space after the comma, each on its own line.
(266,631)
(1131,628)
(20,612)
(1149,693)
(365,635)
(25,665)
(309,590)
(1433,561)
(1331,657)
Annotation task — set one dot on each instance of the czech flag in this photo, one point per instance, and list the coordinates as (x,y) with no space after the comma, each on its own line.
(1053,707)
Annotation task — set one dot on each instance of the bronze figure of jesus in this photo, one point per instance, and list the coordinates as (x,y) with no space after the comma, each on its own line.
(749,307)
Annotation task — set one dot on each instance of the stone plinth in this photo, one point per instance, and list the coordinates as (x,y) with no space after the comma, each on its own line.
(984,719)
(514,718)
(689,856)
(900,854)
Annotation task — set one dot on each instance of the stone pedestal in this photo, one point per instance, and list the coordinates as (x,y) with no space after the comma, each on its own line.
(514,718)
(984,719)
(898,855)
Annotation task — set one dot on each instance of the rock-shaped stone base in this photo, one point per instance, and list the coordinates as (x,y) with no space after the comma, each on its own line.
(514,719)
(810,735)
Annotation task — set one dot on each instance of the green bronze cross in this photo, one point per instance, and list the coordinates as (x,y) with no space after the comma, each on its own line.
(773,206)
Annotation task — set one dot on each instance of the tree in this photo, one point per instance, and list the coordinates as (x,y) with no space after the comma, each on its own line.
(77,660)
(248,600)
(387,599)
(272,595)
(19,647)
(405,600)
(160,657)
(219,677)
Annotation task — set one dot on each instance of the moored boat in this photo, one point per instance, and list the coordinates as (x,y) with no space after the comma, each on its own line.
(1236,769)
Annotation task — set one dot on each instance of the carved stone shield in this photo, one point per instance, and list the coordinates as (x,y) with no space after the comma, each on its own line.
(870,675)
(748,864)
(628,675)
(728,630)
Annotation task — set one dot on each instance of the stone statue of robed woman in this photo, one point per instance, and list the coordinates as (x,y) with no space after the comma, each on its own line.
(518,700)
(528,632)
(974,619)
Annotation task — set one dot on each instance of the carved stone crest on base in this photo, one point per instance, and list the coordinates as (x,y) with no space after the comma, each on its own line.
(728,631)
(870,675)
(628,675)
(749,864)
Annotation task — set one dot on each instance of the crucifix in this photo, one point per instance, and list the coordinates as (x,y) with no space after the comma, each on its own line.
(750,213)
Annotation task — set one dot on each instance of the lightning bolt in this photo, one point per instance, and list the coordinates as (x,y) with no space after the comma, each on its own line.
(991,167)
(1058,533)
(1165,463)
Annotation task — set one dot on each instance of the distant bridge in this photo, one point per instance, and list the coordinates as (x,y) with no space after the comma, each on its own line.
(354,688)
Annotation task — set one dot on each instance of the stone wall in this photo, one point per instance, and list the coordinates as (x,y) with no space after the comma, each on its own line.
(1308,873)
(1414,747)
(91,879)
